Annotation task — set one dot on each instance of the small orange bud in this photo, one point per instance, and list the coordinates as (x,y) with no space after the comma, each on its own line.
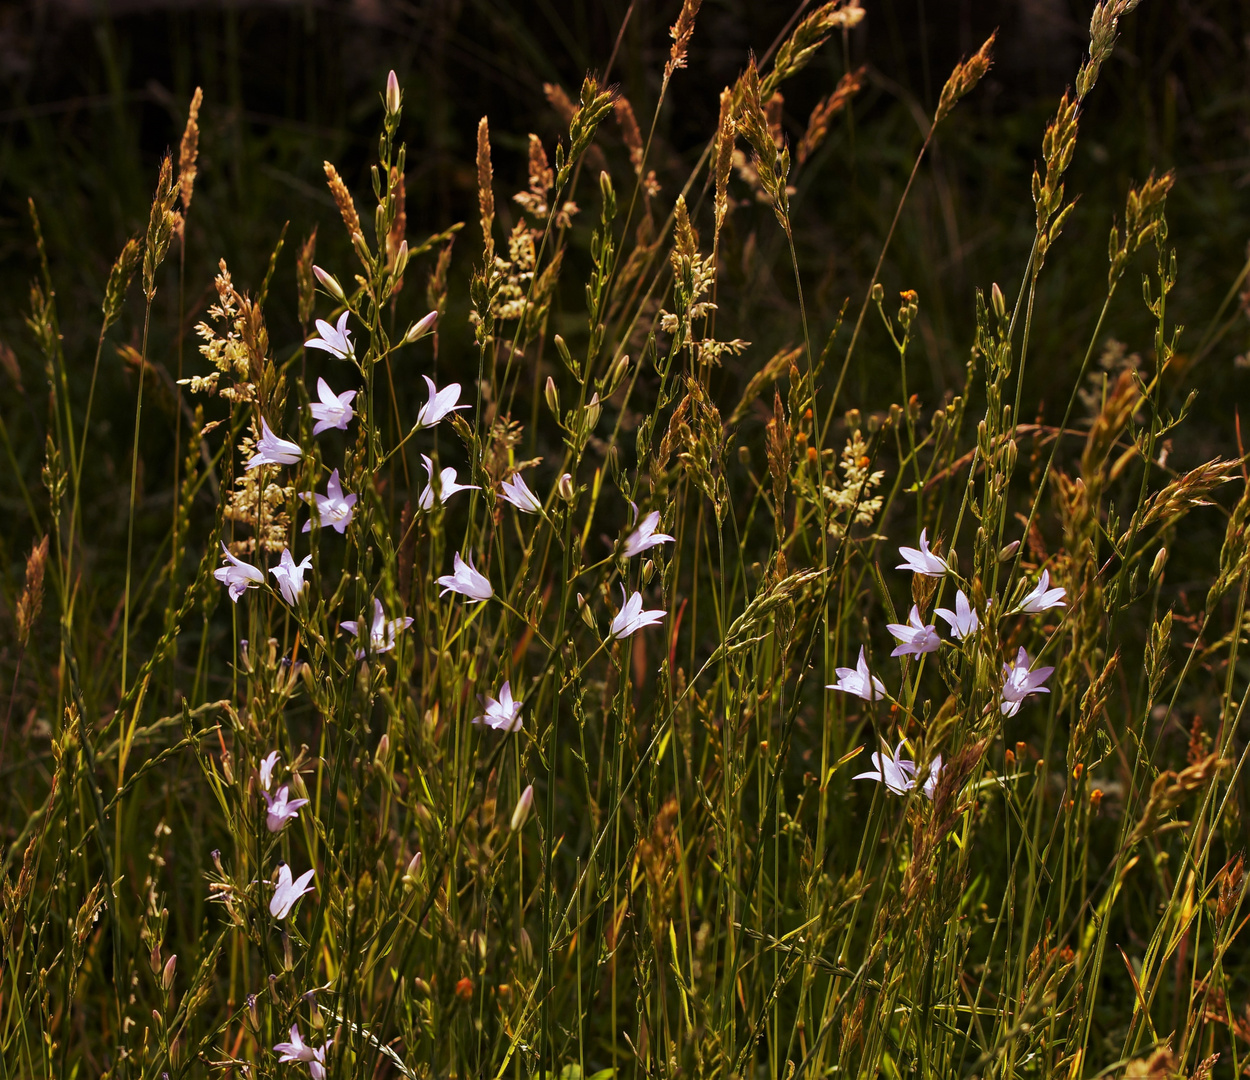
(464,989)
(1095,799)
(807,413)
(1011,759)
(812,455)
(1078,770)
(865,461)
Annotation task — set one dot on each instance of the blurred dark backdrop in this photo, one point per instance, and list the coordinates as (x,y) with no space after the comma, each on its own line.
(95,91)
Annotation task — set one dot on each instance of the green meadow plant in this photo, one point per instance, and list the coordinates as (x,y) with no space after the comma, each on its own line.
(564,707)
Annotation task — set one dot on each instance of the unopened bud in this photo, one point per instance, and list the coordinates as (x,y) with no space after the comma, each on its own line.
(418,330)
(253,1012)
(306,673)
(401,258)
(553,397)
(996,298)
(878,292)
(167,975)
(414,868)
(593,409)
(617,373)
(421,986)
(583,609)
(330,283)
(154,959)
(565,488)
(383,751)
(393,96)
(1156,567)
(1008,550)
(523,806)
(648,570)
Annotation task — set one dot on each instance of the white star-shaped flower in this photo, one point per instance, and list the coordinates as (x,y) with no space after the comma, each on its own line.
(334,410)
(333,508)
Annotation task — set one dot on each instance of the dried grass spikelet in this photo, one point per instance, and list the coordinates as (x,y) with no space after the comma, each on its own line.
(30,602)
(1187,491)
(826,109)
(964,78)
(188,152)
(559,100)
(773,110)
(1170,788)
(343,200)
(305,286)
(485,192)
(681,32)
(631,135)
(726,131)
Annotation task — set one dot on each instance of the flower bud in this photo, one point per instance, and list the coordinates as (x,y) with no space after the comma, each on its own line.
(523,807)
(996,298)
(418,330)
(583,609)
(401,259)
(648,570)
(617,373)
(1156,567)
(253,1012)
(154,959)
(329,283)
(1008,550)
(565,488)
(593,410)
(414,868)
(383,751)
(167,975)
(553,397)
(393,96)
(878,292)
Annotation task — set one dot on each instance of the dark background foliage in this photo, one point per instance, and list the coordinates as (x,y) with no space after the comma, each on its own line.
(97,91)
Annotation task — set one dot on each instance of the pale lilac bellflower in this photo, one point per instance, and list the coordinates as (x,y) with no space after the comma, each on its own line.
(465,580)
(896,772)
(645,536)
(516,491)
(333,508)
(1019,682)
(915,638)
(334,410)
(290,575)
(299,1051)
(286,892)
(272,450)
(266,768)
(440,404)
(632,617)
(921,560)
(381,632)
(447,485)
(859,680)
(237,575)
(963,620)
(281,808)
(501,715)
(1043,597)
(336,340)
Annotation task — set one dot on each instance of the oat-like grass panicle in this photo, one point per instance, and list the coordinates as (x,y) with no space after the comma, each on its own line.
(120,276)
(161,224)
(826,109)
(558,99)
(964,78)
(343,200)
(798,49)
(681,32)
(188,152)
(726,130)
(305,284)
(485,192)
(31,601)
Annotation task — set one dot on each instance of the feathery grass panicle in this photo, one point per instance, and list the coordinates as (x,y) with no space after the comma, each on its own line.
(343,200)
(726,132)
(188,151)
(964,77)
(485,193)
(631,136)
(826,109)
(681,32)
